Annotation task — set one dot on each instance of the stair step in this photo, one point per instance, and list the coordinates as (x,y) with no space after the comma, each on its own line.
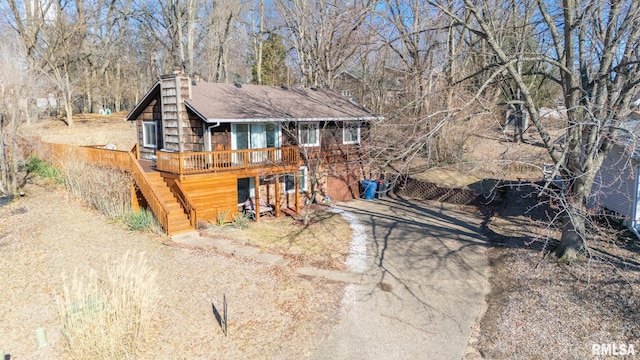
(181,231)
(177,215)
(177,226)
(167,197)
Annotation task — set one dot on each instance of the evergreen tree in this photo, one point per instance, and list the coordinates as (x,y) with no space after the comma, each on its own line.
(274,68)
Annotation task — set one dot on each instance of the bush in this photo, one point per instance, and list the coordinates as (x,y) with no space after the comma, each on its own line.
(221,217)
(141,220)
(109,318)
(42,169)
(241,221)
(107,190)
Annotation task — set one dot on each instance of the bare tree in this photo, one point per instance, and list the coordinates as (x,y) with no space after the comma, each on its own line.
(52,34)
(16,88)
(416,79)
(324,34)
(257,26)
(225,42)
(173,25)
(107,27)
(586,47)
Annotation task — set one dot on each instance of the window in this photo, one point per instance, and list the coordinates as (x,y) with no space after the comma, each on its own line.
(149,135)
(309,134)
(303,180)
(351,133)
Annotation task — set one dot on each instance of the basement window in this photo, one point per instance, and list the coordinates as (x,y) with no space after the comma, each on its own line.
(149,134)
(303,181)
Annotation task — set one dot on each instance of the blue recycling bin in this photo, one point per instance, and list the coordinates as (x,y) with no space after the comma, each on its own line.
(369,187)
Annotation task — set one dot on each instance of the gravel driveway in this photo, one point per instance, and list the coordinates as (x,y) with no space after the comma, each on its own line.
(423,287)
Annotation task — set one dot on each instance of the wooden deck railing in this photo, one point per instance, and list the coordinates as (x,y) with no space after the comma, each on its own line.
(150,195)
(210,161)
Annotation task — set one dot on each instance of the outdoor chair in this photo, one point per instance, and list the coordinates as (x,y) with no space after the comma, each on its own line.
(250,208)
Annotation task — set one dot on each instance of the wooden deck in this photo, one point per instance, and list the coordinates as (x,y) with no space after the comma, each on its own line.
(147,165)
(184,188)
(190,163)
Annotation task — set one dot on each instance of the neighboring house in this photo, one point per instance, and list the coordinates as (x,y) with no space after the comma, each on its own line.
(350,86)
(617,184)
(47,104)
(207,148)
(388,91)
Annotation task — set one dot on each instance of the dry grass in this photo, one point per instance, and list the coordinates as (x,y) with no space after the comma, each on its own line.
(323,242)
(107,190)
(88,129)
(447,178)
(108,316)
(540,308)
(266,303)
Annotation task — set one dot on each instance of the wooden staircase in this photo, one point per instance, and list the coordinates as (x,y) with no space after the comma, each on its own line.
(178,221)
(171,215)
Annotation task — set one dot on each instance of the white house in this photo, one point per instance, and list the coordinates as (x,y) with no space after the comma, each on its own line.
(617,184)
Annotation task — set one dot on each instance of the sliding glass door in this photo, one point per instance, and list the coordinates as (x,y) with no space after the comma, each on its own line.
(255,136)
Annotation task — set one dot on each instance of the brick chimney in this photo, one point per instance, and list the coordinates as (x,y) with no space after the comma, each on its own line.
(174,89)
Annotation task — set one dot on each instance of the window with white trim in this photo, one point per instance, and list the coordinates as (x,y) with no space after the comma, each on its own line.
(149,134)
(351,133)
(309,134)
(303,181)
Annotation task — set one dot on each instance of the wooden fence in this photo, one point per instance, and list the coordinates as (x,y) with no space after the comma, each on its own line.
(127,161)
(58,153)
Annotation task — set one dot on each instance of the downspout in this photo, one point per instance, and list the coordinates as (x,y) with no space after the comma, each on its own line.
(208,131)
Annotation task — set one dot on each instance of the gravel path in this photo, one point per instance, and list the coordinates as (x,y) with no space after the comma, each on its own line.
(423,286)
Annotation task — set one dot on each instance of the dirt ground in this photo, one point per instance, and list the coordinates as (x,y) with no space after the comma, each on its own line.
(539,308)
(88,129)
(48,233)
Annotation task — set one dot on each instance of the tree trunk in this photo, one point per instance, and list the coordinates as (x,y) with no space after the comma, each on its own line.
(572,243)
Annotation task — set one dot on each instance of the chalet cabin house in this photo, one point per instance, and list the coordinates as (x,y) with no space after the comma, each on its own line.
(206,148)
(617,183)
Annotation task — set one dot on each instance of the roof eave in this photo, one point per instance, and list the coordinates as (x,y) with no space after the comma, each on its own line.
(196,112)
(146,99)
(258,120)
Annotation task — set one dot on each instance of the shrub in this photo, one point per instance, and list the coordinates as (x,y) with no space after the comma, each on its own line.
(109,317)
(42,169)
(241,221)
(221,217)
(107,190)
(141,220)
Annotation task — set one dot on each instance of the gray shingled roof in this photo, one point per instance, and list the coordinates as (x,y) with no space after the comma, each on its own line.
(227,102)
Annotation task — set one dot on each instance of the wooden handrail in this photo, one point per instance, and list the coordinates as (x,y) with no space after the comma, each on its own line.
(186,203)
(150,195)
(211,161)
